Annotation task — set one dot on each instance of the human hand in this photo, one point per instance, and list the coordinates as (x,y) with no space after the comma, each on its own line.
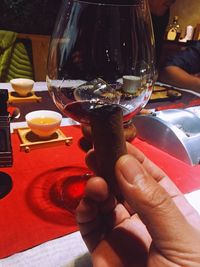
(162,231)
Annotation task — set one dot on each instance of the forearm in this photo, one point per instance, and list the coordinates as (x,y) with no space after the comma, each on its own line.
(178,77)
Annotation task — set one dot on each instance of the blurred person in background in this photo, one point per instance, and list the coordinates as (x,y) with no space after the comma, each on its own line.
(183,69)
(160,13)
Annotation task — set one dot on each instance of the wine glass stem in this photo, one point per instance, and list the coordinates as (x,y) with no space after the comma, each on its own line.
(109,142)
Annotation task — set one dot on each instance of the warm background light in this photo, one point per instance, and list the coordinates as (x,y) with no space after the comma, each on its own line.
(188,12)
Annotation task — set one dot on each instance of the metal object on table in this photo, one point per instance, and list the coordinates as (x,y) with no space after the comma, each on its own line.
(174,131)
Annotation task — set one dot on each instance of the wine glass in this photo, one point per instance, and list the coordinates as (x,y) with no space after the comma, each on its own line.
(101,55)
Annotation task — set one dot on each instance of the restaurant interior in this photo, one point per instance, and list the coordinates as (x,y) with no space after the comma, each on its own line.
(42,164)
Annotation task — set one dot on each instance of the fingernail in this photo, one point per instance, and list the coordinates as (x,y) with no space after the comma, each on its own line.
(130,169)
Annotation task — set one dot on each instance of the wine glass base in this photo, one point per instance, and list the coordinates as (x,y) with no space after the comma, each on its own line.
(129,133)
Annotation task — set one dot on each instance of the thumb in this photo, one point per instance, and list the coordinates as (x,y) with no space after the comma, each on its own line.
(156,209)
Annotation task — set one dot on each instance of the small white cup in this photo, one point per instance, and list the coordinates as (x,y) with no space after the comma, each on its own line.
(131,83)
(43,123)
(22,86)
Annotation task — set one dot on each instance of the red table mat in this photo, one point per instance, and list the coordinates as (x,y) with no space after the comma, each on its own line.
(185,176)
(29,216)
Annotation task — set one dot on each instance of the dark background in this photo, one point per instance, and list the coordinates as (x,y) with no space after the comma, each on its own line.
(29,16)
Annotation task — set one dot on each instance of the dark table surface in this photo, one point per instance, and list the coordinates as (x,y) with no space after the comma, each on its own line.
(47,103)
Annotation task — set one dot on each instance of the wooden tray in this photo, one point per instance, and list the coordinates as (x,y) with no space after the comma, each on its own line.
(15,98)
(31,141)
(163,93)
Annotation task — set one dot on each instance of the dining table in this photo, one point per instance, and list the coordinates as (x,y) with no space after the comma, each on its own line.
(36,228)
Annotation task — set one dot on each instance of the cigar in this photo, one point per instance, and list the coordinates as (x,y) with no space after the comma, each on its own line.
(109,142)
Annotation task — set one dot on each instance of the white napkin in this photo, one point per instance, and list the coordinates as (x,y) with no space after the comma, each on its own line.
(194,199)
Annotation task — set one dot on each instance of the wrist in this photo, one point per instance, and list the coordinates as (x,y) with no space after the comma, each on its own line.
(196,84)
